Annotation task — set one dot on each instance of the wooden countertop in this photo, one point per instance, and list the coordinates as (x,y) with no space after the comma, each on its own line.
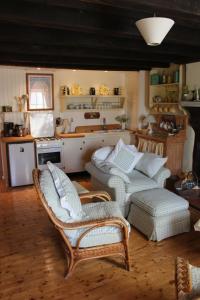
(29,138)
(70,135)
(17,139)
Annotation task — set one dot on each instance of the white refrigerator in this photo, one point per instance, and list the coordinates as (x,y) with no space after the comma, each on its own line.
(21,163)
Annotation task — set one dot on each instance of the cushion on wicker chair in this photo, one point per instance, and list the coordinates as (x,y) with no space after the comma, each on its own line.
(68,194)
(187,280)
(53,200)
(100,235)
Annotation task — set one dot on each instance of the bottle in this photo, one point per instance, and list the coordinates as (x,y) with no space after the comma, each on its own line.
(197,94)
(169,78)
(164,78)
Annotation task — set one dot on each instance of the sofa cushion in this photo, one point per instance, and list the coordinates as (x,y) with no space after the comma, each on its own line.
(139,182)
(102,153)
(124,157)
(159,202)
(69,198)
(51,196)
(150,164)
(100,235)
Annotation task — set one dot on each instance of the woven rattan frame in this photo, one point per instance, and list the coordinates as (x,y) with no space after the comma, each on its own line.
(76,254)
(183,278)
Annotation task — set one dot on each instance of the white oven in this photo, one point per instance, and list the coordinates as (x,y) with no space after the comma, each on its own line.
(49,150)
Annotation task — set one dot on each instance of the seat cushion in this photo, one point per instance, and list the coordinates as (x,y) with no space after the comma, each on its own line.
(139,182)
(69,198)
(159,202)
(51,196)
(102,235)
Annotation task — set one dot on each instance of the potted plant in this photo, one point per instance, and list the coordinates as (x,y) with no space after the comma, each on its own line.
(122,119)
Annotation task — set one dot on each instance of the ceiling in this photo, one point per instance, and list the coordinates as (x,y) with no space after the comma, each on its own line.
(95,34)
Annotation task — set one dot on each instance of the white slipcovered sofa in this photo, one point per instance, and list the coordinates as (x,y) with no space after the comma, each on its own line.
(121,190)
(136,182)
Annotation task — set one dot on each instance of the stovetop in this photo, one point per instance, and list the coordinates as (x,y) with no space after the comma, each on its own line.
(48,142)
(46,139)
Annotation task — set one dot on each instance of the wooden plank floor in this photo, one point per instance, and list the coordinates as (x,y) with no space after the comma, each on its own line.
(32,262)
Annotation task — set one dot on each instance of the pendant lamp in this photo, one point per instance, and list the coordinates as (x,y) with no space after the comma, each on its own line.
(154,29)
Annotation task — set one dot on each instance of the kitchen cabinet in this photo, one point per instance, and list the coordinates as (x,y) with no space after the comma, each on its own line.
(78,151)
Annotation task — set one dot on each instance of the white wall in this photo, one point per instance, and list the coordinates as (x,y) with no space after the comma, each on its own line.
(193,75)
(193,82)
(13,83)
(143,109)
(132,83)
(87,79)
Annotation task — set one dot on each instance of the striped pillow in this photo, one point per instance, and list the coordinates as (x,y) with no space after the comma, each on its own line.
(69,198)
(123,157)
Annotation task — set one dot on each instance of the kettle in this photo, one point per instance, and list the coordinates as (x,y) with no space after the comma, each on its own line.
(66,126)
(18,131)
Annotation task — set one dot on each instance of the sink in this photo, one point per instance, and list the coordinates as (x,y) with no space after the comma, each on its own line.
(105,131)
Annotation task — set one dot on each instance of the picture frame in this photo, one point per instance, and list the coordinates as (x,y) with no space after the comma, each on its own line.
(40,90)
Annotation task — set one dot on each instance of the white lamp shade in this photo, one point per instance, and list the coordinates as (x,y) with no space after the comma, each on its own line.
(154,29)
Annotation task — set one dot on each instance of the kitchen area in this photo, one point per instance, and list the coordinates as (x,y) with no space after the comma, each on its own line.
(59,120)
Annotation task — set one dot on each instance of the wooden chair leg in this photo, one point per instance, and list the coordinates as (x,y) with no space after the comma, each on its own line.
(127,258)
(70,266)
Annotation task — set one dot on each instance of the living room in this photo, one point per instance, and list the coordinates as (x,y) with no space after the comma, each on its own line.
(110,126)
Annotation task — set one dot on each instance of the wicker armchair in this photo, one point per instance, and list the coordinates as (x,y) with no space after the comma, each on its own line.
(76,253)
(187,280)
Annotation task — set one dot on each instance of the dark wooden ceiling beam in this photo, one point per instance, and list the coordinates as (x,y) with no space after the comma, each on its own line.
(187,9)
(54,65)
(86,52)
(28,35)
(75,62)
(83,21)
(95,34)
(135,9)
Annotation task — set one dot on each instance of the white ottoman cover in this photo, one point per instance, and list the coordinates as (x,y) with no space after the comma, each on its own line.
(159,213)
(159,202)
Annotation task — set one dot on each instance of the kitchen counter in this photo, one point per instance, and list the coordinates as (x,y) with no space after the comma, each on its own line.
(29,138)
(70,135)
(84,134)
(17,139)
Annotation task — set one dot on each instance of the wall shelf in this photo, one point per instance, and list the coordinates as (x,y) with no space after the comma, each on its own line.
(165,84)
(169,94)
(92,96)
(190,103)
(91,102)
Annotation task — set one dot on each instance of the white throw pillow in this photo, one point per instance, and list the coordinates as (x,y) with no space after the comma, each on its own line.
(69,198)
(124,157)
(150,164)
(109,168)
(102,153)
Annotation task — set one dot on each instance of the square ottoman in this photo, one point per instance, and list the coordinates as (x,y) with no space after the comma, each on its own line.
(159,213)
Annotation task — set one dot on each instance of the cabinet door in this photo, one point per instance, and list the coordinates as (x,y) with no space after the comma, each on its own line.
(73,150)
(91,144)
(112,139)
